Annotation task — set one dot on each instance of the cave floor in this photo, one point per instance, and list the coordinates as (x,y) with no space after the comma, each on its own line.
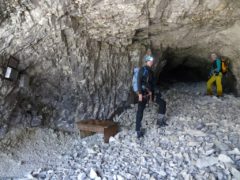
(202,141)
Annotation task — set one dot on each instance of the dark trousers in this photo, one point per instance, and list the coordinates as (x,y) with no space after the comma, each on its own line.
(162,105)
(141,107)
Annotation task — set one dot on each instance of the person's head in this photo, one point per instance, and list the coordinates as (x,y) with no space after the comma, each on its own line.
(149,60)
(213,57)
(149,52)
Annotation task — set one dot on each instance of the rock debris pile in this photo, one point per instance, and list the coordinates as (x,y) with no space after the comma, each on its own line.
(202,141)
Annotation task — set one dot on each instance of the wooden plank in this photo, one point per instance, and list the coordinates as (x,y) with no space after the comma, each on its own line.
(89,127)
(84,134)
(93,125)
(96,122)
(110,131)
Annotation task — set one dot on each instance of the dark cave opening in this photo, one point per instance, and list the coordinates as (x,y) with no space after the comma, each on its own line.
(182,73)
(174,67)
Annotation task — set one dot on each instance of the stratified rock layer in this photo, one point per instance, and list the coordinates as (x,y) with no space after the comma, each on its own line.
(79,54)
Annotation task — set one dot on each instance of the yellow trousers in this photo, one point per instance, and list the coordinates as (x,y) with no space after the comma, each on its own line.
(218,80)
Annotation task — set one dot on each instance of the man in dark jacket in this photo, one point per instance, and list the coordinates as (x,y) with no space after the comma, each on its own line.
(145,90)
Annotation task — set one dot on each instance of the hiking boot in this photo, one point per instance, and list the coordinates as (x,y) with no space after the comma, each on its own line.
(164,123)
(161,123)
(140,134)
(209,94)
(162,120)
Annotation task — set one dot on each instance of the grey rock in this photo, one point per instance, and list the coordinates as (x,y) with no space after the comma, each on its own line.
(209,152)
(119,177)
(93,174)
(36,121)
(3,130)
(162,173)
(222,146)
(200,126)
(234,138)
(205,162)
(220,175)
(235,151)
(224,158)
(235,173)
(42,175)
(196,133)
(237,163)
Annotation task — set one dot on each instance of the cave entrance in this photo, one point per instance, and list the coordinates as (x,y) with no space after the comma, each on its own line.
(188,68)
(181,73)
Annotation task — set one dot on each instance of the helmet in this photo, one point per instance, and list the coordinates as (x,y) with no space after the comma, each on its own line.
(148,58)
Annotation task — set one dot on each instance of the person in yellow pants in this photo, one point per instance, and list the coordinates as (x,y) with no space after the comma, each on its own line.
(215,75)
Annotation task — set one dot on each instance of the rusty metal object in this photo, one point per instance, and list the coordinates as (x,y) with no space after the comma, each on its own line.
(106,127)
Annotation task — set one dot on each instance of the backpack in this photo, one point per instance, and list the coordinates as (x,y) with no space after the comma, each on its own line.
(224,65)
(135,77)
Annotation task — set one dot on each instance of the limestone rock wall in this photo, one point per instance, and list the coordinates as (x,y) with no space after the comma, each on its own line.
(79,54)
(76,70)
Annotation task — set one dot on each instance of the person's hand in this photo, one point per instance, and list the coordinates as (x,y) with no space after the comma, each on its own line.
(140,97)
